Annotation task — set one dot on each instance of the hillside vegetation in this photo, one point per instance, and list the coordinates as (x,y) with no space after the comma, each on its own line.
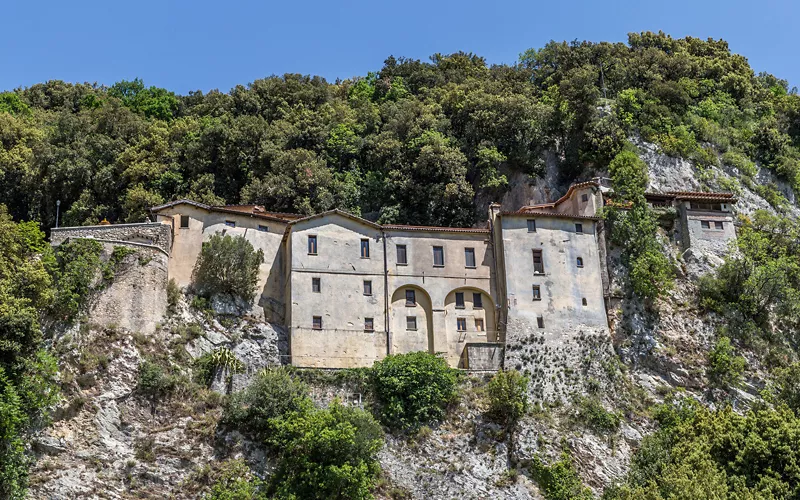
(413,142)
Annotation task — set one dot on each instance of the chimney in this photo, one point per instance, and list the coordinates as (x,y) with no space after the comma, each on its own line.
(494,210)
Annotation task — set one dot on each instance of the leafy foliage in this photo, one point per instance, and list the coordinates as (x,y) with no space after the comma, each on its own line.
(236,482)
(725,367)
(592,414)
(228,265)
(76,268)
(559,480)
(413,389)
(508,397)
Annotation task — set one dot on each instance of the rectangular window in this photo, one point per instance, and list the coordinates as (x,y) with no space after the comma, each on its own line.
(705,224)
(459,300)
(531,226)
(478,324)
(537,292)
(402,256)
(538,263)
(411,322)
(367,287)
(411,298)
(469,257)
(365,249)
(369,324)
(312,245)
(316,285)
(540,321)
(438,256)
(477,301)
(263,228)
(718,225)
(579,228)
(584,198)
(579,261)
(230,223)
(317,325)
(461,324)
(184,221)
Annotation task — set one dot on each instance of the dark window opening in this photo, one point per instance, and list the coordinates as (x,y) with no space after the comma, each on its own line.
(705,224)
(438,256)
(579,261)
(537,292)
(317,325)
(477,301)
(367,287)
(312,245)
(411,298)
(411,322)
(365,249)
(459,300)
(583,301)
(719,225)
(230,223)
(461,324)
(316,285)
(538,263)
(540,321)
(478,325)
(402,256)
(263,229)
(579,228)
(584,198)
(531,225)
(369,324)
(184,221)
(469,257)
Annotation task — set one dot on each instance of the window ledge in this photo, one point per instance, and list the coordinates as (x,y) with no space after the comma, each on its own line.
(460,307)
(436,265)
(402,263)
(470,267)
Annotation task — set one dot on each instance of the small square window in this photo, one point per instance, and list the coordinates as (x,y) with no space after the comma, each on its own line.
(312,245)
(459,300)
(584,197)
(411,322)
(263,228)
(461,324)
(719,225)
(469,257)
(184,221)
(477,301)
(438,256)
(317,325)
(705,224)
(579,228)
(540,321)
(583,301)
(316,285)
(411,298)
(365,249)
(367,287)
(230,223)
(369,324)
(531,225)
(579,261)
(479,325)
(537,292)
(402,256)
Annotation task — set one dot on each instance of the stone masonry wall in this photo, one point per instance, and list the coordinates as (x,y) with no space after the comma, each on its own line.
(149,233)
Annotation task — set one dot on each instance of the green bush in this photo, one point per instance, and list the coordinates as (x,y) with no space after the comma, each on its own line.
(725,367)
(508,398)
(77,265)
(256,410)
(327,454)
(173,296)
(154,382)
(784,387)
(593,415)
(741,163)
(413,389)
(206,366)
(228,265)
(236,481)
(559,480)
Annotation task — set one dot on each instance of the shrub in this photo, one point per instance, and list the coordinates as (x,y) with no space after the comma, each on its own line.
(236,482)
(559,480)
(228,265)
(327,454)
(154,382)
(741,163)
(413,389)
(207,365)
(173,296)
(785,386)
(508,398)
(256,410)
(76,266)
(725,368)
(592,414)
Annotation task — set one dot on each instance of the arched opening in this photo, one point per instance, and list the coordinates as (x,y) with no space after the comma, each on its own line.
(470,312)
(411,320)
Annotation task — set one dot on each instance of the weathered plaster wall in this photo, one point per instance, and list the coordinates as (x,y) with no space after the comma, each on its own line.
(136,299)
(188,242)
(342,342)
(153,233)
(707,240)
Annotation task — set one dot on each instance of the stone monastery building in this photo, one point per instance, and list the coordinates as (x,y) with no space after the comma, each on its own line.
(350,291)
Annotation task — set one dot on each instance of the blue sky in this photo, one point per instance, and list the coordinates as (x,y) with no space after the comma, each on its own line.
(202,45)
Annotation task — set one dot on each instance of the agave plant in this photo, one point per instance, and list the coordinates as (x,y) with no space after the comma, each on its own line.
(225,358)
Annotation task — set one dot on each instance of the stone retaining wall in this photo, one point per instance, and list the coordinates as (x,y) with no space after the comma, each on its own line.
(148,233)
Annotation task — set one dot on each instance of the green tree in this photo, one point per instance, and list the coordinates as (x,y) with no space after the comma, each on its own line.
(228,265)
(725,367)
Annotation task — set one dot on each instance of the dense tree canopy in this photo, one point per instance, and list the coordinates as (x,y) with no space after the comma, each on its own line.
(414,142)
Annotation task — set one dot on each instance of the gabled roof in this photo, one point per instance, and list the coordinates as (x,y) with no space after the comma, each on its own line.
(231,209)
(566,196)
(336,211)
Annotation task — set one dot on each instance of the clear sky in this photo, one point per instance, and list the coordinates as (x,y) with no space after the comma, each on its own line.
(202,44)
